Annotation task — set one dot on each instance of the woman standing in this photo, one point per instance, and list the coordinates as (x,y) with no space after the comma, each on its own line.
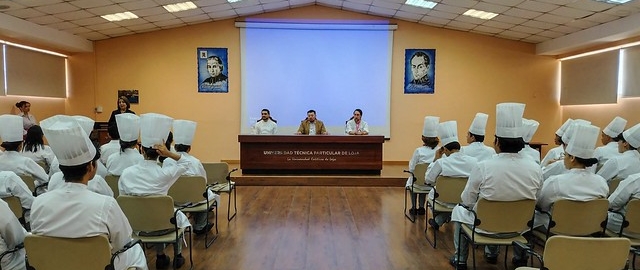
(123,107)
(28,120)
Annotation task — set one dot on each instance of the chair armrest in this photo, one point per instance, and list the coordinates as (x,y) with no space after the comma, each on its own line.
(413,177)
(14,249)
(529,250)
(475,215)
(123,249)
(43,185)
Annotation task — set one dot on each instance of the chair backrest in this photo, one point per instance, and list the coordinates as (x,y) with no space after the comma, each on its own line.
(44,165)
(450,188)
(112,181)
(613,184)
(505,216)
(188,189)
(14,205)
(28,179)
(216,172)
(55,253)
(147,213)
(419,172)
(579,253)
(577,218)
(633,217)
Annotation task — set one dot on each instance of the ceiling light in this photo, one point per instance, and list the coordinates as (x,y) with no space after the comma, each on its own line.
(233,1)
(119,16)
(613,1)
(480,14)
(180,6)
(421,3)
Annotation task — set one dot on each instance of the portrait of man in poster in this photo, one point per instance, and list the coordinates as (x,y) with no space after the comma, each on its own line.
(212,75)
(419,71)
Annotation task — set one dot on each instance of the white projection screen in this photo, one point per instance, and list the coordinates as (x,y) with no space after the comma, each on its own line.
(332,68)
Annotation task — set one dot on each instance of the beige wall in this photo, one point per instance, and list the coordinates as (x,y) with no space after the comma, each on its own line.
(601,115)
(473,73)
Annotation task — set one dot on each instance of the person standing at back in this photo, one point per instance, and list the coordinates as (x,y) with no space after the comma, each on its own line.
(28,120)
(475,139)
(311,125)
(123,107)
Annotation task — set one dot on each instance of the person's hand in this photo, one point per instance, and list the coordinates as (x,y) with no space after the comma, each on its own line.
(298,133)
(161,149)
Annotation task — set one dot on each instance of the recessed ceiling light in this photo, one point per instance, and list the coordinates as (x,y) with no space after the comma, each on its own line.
(421,3)
(233,1)
(119,16)
(614,1)
(180,6)
(480,14)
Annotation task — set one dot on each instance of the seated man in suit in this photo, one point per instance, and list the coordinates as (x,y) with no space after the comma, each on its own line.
(311,125)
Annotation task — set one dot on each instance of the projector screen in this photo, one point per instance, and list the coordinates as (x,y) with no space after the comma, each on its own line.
(332,68)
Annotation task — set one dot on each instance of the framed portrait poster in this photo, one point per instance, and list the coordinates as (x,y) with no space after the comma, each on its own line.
(419,71)
(212,70)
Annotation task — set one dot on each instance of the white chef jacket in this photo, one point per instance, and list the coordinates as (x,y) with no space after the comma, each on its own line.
(506,177)
(119,161)
(107,149)
(21,165)
(554,153)
(606,152)
(621,166)
(351,126)
(478,150)
(44,154)
(148,178)
(73,211)
(529,152)
(628,190)
(577,185)
(455,165)
(12,185)
(422,154)
(97,184)
(265,127)
(11,235)
(195,168)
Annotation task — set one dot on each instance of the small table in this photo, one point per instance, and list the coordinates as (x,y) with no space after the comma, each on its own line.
(537,146)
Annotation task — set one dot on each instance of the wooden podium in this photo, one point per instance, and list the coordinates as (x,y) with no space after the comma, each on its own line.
(304,154)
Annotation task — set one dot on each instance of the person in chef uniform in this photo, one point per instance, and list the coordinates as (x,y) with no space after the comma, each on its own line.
(558,166)
(529,128)
(628,162)
(12,234)
(149,178)
(609,139)
(507,177)
(129,130)
(475,139)
(557,152)
(73,211)
(423,154)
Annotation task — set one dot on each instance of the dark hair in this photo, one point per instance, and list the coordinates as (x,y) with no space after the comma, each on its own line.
(621,138)
(311,111)
(125,145)
(167,144)
(266,110)
(150,153)
(476,137)
(218,60)
(452,146)
(33,141)
(430,142)
(358,110)
(616,138)
(427,60)
(21,104)
(587,162)
(75,173)
(11,146)
(113,132)
(126,100)
(560,139)
(182,147)
(510,145)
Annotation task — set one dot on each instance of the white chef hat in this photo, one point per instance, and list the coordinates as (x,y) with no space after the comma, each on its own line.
(85,122)
(564,127)
(154,128)
(479,124)
(128,126)
(509,120)
(430,126)
(615,127)
(448,132)
(11,128)
(568,133)
(632,136)
(184,131)
(68,141)
(583,141)
(529,128)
